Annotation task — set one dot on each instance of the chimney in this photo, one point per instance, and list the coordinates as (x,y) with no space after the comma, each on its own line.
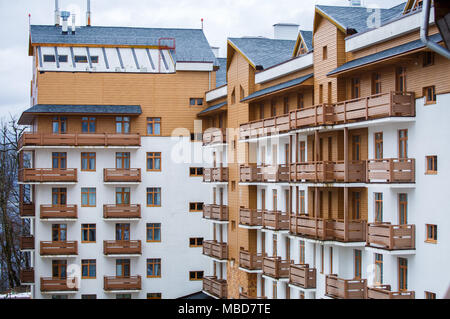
(88,14)
(285,31)
(73,23)
(65,17)
(215,50)
(57,15)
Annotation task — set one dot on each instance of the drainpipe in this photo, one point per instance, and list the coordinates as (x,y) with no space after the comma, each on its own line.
(424,32)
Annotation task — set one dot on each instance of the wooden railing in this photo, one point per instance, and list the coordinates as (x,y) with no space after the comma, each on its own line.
(26,242)
(391,170)
(122,283)
(308,226)
(79,139)
(276,267)
(122,175)
(59,211)
(215,212)
(122,247)
(250,261)
(302,276)
(247,296)
(47,175)
(121,211)
(215,249)
(27,210)
(215,287)
(27,276)
(250,217)
(59,284)
(250,174)
(276,220)
(52,248)
(217,174)
(327,172)
(391,237)
(214,136)
(336,287)
(264,173)
(384,292)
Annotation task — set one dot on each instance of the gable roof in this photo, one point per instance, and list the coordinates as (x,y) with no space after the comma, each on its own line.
(307,38)
(221,73)
(191,44)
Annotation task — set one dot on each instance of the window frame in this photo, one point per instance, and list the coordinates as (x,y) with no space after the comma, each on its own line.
(88,120)
(431,168)
(198,207)
(154,121)
(196,174)
(87,156)
(154,156)
(426,95)
(88,228)
(89,263)
(88,191)
(154,262)
(428,59)
(196,242)
(154,192)
(153,227)
(196,273)
(431,236)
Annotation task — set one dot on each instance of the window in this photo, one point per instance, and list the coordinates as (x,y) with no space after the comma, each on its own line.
(300,101)
(233,186)
(242,92)
(88,269)
(94,59)
(403,209)
(233,96)
(302,252)
(195,242)
(400,79)
(195,275)
(273,108)
(153,233)
(88,162)
(195,207)
(322,262)
(376,83)
(154,295)
(430,295)
(379,207)
(88,296)
(59,125)
(302,150)
(274,199)
(59,196)
(154,161)
(357,265)
(123,268)
(431,234)
(59,269)
(154,126)
(122,124)
(154,197)
(233,225)
(428,58)
(60,297)
(88,124)
(356,205)
(324,53)
(379,269)
(59,232)
(123,160)
(321,94)
(123,232)
(123,196)
(431,168)
(378,145)
(49,58)
(123,296)
(356,88)
(302,202)
(63,58)
(88,233)
(286,105)
(430,94)
(403,144)
(59,160)
(402,274)
(153,268)
(331,260)
(81,59)
(196,171)
(261,111)
(88,197)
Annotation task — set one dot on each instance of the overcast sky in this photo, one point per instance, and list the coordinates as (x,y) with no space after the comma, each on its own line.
(222,19)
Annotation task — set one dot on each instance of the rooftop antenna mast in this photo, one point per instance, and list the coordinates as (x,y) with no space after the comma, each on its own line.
(57,13)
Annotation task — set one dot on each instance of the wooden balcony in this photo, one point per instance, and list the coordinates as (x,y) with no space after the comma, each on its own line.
(122,211)
(26,242)
(116,175)
(308,226)
(329,172)
(79,139)
(264,173)
(27,276)
(122,247)
(59,212)
(215,287)
(27,210)
(275,220)
(391,237)
(59,248)
(247,296)
(47,175)
(215,212)
(354,232)
(214,136)
(250,217)
(391,170)
(275,267)
(339,288)
(250,174)
(58,284)
(215,249)
(114,283)
(215,175)
(384,292)
(302,276)
(250,261)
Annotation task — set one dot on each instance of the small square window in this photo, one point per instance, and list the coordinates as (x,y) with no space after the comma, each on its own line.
(431,234)
(430,295)
(88,233)
(432,167)
(325,52)
(81,59)
(195,242)
(428,58)
(195,275)
(154,295)
(195,207)
(49,58)
(430,94)
(196,171)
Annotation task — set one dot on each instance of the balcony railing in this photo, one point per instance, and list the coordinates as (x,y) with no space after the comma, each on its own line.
(328,172)
(336,287)
(132,175)
(391,237)
(247,296)
(391,170)
(264,173)
(276,220)
(250,217)
(384,292)
(214,136)
(59,284)
(27,276)
(59,211)
(122,247)
(27,210)
(56,248)
(26,242)
(215,212)
(79,139)
(215,287)
(276,267)
(302,276)
(121,211)
(41,175)
(250,261)
(114,283)
(217,174)
(215,249)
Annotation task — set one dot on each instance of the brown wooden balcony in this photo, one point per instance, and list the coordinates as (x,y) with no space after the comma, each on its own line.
(215,212)
(275,220)
(329,172)
(336,287)
(302,276)
(59,248)
(26,242)
(250,261)
(27,210)
(47,175)
(116,175)
(214,136)
(247,296)
(215,249)
(122,211)
(391,170)
(354,232)
(215,175)
(384,292)
(59,212)
(265,127)
(391,237)
(264,173)
(27,276)
(215,287)
(114,283)
(250,217)
(79,139)
(59,284)
(122,247)
(275,267)
(249,174)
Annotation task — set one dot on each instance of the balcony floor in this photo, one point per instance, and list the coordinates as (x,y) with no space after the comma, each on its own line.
(284,279)
(302,289)
(398,252)
(249,271)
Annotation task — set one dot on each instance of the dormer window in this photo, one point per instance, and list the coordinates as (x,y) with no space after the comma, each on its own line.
(81,59)
(50,58)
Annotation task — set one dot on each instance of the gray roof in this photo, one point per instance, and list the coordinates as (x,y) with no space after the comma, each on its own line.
(191,44)
(308,38)
(221,74)
(404,48)
(278,87)
(213,107)
(264,52)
